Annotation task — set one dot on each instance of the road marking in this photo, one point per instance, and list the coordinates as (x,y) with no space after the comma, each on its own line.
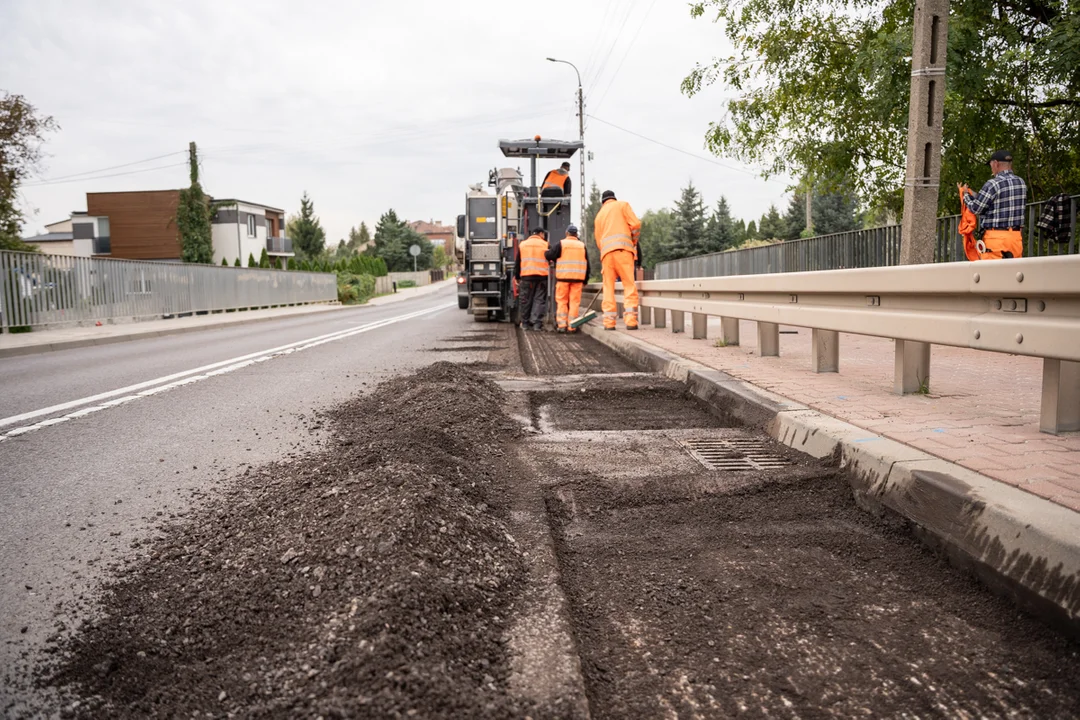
(105,400)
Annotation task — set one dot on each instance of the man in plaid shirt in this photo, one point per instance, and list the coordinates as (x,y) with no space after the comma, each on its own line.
(1000,206)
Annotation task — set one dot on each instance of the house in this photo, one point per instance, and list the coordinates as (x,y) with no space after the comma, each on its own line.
(141,225)
(440,235)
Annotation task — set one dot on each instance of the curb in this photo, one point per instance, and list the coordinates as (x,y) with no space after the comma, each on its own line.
(113,339)
(1021,546)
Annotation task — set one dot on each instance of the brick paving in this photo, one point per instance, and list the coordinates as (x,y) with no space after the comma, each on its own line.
(982,411)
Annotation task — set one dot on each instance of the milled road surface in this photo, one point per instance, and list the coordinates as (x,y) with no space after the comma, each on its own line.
(78,495)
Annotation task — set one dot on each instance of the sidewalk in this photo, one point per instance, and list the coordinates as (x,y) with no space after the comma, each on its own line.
(406,293)
(982,411)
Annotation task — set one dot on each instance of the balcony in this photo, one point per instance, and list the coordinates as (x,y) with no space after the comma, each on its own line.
(279,246)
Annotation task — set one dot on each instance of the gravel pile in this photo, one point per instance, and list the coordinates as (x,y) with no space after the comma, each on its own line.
(374,579)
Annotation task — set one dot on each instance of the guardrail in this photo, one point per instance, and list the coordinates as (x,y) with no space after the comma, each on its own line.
(1024,307)
(874,247)
(41,290)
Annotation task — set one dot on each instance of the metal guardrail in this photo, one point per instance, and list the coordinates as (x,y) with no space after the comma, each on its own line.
(41,290)
(1028,307)
(875,247)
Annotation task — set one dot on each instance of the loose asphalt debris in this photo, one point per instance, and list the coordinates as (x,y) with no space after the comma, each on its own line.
(373,579)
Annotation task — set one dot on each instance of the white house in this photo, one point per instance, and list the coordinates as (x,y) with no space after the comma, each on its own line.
(242,229)
(81,235)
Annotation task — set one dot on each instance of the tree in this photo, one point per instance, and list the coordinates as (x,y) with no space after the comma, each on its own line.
(439,260)
(586,233)
(740,232)
(251,261)
(832,213)
(688,236)
(264,259)
(343,251)
(237,263)
(359,238)
(224,262)
(823,91)
(193,215)
(393,237)
(22,133)
(720,231)
(657,228)
(751,232)
(772,226)
(306,231)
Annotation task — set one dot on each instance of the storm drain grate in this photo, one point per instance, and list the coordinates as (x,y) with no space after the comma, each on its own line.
(734,454)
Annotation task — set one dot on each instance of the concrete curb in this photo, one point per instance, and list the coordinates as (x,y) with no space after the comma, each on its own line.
(142,335)
(1021,546)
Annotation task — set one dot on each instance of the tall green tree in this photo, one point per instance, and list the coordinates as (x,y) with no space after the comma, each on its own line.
(393,237)
(822,90)
(740,231)
(308,236)
(720,230)
(688,236)
(655,242)
(772,226)
(832,212)
(359,238)
(22,133)
(193,216)
(586,233)
(751,232)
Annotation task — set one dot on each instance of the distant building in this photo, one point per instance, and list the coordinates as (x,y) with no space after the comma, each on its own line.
(440,235)
(141,225)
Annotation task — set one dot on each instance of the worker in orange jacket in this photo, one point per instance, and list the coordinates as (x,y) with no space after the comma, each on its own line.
(571,273)
(557,182)
(531,270)
(616,231)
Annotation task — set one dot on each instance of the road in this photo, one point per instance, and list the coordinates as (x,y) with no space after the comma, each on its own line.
(78,494)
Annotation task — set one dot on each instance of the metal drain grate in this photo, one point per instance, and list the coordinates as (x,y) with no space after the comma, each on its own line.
(734,454)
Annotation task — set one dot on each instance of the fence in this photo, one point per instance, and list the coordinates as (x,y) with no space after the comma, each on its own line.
(421,277)
(40,290)
(876,247)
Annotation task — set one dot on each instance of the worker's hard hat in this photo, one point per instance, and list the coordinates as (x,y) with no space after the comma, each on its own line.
(572,230)
(608,195)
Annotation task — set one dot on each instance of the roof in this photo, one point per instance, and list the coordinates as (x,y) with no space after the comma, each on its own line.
(427,228)
(50,237)
(245,202)
(541,148)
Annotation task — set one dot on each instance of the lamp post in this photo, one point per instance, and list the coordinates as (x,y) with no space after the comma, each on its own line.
(581,136)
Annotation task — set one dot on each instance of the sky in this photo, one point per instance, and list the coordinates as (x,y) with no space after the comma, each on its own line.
(364,104)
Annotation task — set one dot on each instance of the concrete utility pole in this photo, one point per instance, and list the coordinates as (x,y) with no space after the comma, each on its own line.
(581,137)
(809,210)
(919,228)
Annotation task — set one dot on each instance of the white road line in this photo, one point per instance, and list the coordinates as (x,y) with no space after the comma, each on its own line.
(168,382)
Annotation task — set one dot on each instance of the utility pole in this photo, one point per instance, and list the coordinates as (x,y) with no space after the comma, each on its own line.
(809,208)
(193,162)
(581,137)
(919,228)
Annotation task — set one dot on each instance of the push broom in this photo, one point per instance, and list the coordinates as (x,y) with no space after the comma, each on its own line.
(588,315)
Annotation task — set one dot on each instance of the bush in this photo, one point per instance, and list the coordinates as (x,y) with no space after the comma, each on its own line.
(346,294)
(355,288)
(406,284)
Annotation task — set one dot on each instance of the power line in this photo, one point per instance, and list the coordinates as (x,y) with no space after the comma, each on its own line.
(607,56)
(680,150)
(625,54)
(46,181)
(102,177)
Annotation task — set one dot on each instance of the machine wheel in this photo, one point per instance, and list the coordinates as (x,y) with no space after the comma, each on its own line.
(463,302)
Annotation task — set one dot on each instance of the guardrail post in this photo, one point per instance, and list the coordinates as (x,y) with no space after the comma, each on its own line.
(729,331)
(661,318)
(912,367)
(826,355)
(644,315)
(1060,397)
(768,339)
(700,328)
(678,321)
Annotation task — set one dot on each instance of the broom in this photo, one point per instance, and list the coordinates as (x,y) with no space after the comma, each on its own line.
(587,316)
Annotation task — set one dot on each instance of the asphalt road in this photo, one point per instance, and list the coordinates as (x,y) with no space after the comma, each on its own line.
(78,494)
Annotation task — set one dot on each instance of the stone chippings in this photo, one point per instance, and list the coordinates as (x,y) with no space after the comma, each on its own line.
(372,579)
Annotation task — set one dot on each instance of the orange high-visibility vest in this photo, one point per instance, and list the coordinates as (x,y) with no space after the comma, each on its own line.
(571,264)
(555,180)
(616,227)
(532,252)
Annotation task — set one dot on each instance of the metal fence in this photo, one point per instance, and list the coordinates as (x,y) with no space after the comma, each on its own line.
(876,247)
(40,290)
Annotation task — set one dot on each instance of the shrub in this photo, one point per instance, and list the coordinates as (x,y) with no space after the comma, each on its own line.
(346,293)
(406,284)
(361,288)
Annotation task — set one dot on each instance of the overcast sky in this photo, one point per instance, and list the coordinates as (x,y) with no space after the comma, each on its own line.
(366,104)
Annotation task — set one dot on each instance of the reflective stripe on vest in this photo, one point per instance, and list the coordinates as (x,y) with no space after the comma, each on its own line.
(571,264)
(556,183)
(618,241)
(532,257)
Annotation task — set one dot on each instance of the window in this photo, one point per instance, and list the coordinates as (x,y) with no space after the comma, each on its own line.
(251,225)
(103,227)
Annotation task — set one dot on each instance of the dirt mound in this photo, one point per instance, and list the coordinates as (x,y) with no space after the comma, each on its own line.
(374,579)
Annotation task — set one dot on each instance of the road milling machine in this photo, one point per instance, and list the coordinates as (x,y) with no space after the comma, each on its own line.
(499,217)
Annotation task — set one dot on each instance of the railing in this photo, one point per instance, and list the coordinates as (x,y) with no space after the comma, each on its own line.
(41,290)
(1029,306)
(875,247)
(279,245)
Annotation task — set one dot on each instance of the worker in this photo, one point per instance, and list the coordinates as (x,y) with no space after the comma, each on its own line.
(531,270)
(571,273)
(616,231)
(1000,207)
(557,182)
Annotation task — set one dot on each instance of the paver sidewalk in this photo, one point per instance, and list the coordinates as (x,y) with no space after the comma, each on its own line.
(982,411)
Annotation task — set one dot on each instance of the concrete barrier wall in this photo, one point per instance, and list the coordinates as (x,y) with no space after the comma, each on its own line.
(422,277)
(384,285)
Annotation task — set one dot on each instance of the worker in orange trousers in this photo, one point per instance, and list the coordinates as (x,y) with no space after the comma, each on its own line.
(616,231)
(571,273)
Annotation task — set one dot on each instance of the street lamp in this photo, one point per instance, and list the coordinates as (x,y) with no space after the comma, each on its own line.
(581,136)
